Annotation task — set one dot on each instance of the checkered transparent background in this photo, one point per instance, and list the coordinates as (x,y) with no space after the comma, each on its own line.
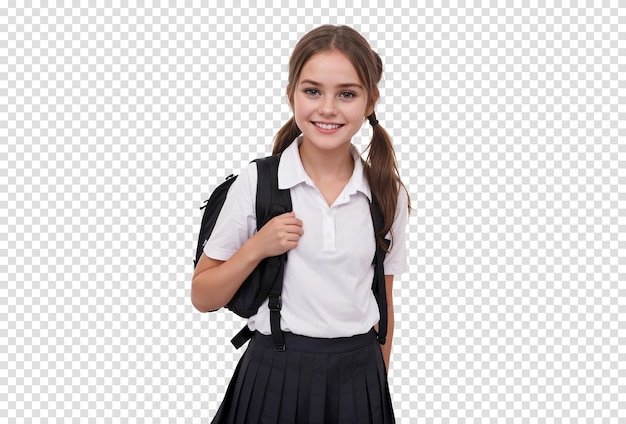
(116,122)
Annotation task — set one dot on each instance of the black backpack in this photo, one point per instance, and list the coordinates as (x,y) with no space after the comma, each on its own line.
(266,281)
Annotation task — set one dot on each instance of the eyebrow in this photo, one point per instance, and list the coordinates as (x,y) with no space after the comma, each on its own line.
(346,85)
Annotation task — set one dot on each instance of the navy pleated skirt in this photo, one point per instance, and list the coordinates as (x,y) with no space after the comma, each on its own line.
(313,381)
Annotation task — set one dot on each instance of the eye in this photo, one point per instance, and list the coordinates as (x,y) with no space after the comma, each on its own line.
(347,95)
(311,91)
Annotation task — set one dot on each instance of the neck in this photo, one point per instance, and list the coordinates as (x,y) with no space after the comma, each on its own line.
(336,164)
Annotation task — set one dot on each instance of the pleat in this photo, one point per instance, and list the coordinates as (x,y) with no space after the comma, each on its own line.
(289,402)
(246,383)
(235,398)
(332,388)
(346,410)
(304,392)
(257,397)
(225,413)
(359,389)
(275,389)
(387,404)
(373,390)
(318,388)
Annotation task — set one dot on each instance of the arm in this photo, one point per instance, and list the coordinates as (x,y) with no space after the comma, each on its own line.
(395,264)
(215,282)
(386,348)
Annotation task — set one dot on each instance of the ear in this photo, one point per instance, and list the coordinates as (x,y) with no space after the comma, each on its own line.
(372,104)
(288,94)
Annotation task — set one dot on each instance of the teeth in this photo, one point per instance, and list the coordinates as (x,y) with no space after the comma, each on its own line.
(327,126)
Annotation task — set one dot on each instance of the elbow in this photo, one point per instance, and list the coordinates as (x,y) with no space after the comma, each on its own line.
(198,298)
(208,293)
(200,307)
(202,299)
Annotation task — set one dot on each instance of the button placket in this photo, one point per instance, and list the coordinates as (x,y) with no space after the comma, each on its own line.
(328,230)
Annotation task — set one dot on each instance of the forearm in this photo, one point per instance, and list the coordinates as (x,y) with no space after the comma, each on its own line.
(215,282)
(386,348)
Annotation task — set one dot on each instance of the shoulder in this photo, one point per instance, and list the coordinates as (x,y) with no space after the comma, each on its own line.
(396,259)
(248,175)
(241,194)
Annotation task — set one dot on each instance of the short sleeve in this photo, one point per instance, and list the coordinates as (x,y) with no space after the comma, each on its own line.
(237,219)
(396,258)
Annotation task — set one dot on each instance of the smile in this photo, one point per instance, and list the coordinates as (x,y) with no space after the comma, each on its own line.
(327,126)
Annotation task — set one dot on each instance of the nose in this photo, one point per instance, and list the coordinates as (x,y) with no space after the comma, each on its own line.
(328,106)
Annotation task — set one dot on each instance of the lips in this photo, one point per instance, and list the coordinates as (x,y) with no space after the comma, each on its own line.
(326,126)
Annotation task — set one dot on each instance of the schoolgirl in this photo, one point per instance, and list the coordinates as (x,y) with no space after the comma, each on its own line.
(333,369)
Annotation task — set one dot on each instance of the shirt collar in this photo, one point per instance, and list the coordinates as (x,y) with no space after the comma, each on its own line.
(291,172)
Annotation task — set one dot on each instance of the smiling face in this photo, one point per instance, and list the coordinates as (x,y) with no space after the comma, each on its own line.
(329,101)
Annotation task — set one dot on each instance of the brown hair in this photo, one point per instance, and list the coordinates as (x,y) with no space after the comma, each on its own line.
(380,167)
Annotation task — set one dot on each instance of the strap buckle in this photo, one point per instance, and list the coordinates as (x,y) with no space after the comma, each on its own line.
(275,303)
(242,337)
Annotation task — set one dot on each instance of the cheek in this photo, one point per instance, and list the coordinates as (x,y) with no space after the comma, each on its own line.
(357,113)
(303,107)
(298,109)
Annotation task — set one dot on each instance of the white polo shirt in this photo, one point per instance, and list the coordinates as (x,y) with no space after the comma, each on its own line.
(328,277)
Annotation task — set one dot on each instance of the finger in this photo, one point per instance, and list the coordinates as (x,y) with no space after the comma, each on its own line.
(291,244)
(288,226)
(293,228)
(292,221)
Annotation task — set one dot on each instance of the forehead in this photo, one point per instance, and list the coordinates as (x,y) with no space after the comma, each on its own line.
(332,68)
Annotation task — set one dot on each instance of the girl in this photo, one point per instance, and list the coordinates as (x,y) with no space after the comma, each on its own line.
(333,370)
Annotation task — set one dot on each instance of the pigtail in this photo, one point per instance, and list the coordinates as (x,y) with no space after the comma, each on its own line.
(381,167)
(285,136)
(382,174)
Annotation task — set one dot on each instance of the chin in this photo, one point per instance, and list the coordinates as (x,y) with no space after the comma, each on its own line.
(326,143)
(329,142)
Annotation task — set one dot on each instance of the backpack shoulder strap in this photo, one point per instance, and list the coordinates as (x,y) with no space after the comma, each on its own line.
(270,202)
(378,283)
